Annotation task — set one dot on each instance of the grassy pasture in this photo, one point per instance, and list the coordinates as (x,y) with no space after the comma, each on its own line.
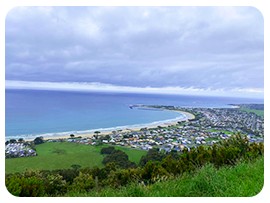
(258,112)
(58,155)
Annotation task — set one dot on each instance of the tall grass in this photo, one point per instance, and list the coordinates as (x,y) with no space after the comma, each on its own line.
(243,180)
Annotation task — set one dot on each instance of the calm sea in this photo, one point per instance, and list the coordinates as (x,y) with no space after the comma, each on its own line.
(30,113)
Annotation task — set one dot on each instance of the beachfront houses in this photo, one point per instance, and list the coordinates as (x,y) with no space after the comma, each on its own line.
(13,150)
(209,126)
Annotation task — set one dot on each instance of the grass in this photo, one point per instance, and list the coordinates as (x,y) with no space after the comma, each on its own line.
(244,180)
(59,155)
(258,112)
(133,154)
(222,131)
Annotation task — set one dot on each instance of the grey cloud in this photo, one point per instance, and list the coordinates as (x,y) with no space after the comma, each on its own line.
(202,47)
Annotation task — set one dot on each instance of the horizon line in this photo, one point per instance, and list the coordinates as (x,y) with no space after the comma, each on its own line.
(257,93)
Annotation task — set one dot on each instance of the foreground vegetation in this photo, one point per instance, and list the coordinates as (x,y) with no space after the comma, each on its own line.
(207,170)
(243,180)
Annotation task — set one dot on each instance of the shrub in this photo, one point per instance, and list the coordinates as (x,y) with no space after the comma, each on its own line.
(32,187)
(123,177)
(54,184)
(152,155)
(107,150)
(153,171)
(120,159)
(13,185)
(83,183)
(38,140)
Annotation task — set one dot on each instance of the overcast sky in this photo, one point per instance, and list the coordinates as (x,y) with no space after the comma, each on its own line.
(193,49)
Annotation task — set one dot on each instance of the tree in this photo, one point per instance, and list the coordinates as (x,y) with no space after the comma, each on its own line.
(72,136)
(107,150)
(153,172)
(120,158)
(21,140)
(38,140)
(12,141)
(152,155)
(107,137)
(97,132)
(83,183)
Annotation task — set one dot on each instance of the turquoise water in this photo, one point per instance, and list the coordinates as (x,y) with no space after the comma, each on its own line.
(30,113)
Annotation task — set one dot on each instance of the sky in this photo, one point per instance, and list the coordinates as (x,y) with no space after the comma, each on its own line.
(175,50)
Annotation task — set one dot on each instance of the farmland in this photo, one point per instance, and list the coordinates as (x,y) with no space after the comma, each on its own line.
(60,155)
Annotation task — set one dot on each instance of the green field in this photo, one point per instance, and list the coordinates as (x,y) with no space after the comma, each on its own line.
(222,131)
(243,180)
(58,155)
(258,112)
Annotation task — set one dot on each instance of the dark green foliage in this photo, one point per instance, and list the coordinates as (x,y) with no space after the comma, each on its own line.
(171,165)
(100,173)
(107,150)
(153,171)
(68,175)
(119,171)
(12,141)
(20,140)
(120,158)
(76,166)
(152,155)
(84,182)
(55,184)
(29,184)
(107,137)
(123,177)
(13,184)
(38,140)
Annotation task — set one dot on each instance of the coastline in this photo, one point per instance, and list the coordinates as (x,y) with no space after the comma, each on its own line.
(123,129)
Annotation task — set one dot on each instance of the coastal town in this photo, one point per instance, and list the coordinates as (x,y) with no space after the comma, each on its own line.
(207,127)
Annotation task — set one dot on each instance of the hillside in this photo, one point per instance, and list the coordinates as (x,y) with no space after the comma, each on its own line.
(233,167)
(243,180)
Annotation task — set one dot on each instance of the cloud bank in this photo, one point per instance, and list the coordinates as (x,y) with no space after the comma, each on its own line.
(202,48)
(101,87)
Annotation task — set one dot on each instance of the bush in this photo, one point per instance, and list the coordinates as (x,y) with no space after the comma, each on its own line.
(152,155)
(153,171)
(38,140)
(13,185)
(54,184)
(123,177)
(120,158)
(83,183)
(107,150)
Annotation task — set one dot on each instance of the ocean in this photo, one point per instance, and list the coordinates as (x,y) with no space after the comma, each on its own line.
(32,113)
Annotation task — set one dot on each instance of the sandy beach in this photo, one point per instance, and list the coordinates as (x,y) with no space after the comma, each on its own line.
(124,129)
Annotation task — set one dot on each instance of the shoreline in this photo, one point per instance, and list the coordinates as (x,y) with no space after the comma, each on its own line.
(123,129)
